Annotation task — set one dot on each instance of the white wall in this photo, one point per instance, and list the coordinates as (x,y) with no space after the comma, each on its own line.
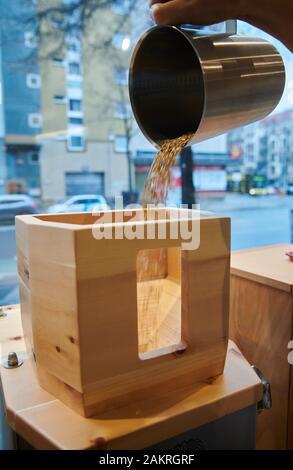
(55,161)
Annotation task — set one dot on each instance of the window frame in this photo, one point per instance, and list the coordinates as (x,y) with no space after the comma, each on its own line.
(74,73)
(30,40)
(32,116)
(74,148)
(33,76)
(59,99)
(118,148)
(76,100)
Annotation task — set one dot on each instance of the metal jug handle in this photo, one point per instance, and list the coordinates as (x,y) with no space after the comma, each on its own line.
(231,27)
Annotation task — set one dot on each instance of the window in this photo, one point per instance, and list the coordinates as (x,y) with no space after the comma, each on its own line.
(76,121)
(34,158)
(73,47)
(87,201)
(35,120)
(76,142)
(74,68)
(20,161)
(30,40)
(74,84)
(120,76)
(121,41)
(33,80)
(121,7)
(12,201)
(122,110)
(73,34)
(70,2)
(72,42)
(120,144)
(59,99)
(77,202)
(75,105)
(57,61)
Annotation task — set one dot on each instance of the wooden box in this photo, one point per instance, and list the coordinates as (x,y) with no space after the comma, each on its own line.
(115,320)
(261,322)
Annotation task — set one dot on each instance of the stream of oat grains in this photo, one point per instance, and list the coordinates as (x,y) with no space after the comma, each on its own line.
(151,263)
(158,180)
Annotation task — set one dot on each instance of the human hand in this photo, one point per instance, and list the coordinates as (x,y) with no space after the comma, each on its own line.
(274,17)
(199,12)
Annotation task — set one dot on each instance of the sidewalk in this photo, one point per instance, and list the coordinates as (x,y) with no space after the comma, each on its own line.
(242,202)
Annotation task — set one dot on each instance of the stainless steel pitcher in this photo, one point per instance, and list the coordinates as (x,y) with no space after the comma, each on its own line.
(181,82)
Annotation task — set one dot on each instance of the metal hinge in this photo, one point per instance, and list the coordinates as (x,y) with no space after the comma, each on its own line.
(266,402)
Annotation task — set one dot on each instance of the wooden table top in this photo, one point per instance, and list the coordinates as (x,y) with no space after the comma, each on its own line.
(46,423)
(267,265)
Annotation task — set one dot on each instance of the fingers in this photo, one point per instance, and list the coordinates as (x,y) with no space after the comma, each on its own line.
(170,12)
(199,12)
(152,2)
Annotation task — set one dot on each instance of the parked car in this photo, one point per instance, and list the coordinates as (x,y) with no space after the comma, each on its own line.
(271,190)
(16,204)
(258,191)
(290,189)
(82,203)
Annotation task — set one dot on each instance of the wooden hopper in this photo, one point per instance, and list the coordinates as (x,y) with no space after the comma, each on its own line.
(115,320)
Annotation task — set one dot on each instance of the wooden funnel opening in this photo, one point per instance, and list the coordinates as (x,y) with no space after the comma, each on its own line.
(159,302)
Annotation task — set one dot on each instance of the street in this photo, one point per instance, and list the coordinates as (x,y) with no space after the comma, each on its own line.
(8,277)
(255,222)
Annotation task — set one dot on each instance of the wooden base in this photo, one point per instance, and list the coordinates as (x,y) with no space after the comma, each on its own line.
(134,387)
(46,423)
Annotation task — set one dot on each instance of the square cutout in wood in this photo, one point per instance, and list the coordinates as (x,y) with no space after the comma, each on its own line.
(159,302)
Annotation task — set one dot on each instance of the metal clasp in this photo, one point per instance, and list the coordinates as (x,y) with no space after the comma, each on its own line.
(266,402)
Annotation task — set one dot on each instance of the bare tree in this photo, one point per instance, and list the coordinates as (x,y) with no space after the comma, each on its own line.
(186,165)
(129,130)
(54,20)
(75,17)
(107,103)
(58,18)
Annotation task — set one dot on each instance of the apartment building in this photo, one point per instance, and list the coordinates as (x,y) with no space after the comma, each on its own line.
(85,106)
(20,116)
(67,123)
(266,148)
(277,144)
(65,107)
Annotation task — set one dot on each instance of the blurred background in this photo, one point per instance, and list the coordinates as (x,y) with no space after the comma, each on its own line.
(69,142)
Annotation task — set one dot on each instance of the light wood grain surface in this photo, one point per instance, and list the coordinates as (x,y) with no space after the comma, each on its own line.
(46,423)
(261,323)
(105,331)
(268,265)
